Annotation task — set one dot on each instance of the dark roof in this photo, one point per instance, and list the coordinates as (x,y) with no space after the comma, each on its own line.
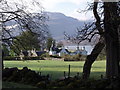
(65,50)
(40,53)
(25,53)
(56,49)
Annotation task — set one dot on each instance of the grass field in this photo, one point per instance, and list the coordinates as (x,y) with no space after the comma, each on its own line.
(56,68)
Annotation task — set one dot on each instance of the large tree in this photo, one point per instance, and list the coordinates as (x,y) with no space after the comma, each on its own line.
(49,42)
(17,17)
(111,26)
(29,41)
(106,26)
(111,22)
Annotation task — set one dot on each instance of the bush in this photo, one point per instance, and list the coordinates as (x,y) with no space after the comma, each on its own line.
(50,56)
(11,58)
(77,57)
(25,75)
(33,58)
(24,58)
(45,55)
(55,56)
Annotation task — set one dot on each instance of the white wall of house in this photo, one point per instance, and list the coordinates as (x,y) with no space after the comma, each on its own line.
(84,52)
(52,53)
(88,48)
(34,54)
(62,52)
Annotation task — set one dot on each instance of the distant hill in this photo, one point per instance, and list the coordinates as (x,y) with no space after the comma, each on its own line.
(59,23)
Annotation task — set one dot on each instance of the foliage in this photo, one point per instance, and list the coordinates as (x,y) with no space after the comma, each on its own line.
(12,53)
(15,85)
(24,58)
(25,75)
(50,56)
(19,18)
(77,57)
(78,83)
(28,41)
(45,55)
(33,58)
(49,42)
(55,56)
(11,58)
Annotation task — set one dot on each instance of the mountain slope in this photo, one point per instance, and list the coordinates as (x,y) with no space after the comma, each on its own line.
(59,23)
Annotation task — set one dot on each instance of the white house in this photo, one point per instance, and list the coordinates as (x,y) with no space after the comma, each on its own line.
(33,53)
(81,51)
(52,52)
(60,52)
(63,51)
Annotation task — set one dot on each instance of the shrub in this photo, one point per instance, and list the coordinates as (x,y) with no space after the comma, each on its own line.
(55,56)
(33,58)
(25,76)
(45,55)
(11,58)
(41,84)
(50,56)
(77,57)
(24,58)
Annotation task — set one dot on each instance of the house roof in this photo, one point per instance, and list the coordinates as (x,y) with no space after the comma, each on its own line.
(40,53)
(65,50)
(25,53)
(59,50)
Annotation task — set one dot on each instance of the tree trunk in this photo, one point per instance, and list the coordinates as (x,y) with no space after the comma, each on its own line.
(119,47)
(2,59)
(92,57)
(111,38)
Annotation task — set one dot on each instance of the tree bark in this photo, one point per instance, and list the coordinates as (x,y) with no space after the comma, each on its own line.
(112,39)
(98,47)
(92,57)
(2,59)
(119,47)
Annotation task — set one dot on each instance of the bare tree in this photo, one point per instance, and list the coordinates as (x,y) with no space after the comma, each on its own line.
(111,25)
(17,17)
(100,27)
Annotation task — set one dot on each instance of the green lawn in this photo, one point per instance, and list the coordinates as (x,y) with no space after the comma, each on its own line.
(56,68)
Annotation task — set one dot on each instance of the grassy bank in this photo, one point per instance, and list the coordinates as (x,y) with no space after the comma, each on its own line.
(56,68)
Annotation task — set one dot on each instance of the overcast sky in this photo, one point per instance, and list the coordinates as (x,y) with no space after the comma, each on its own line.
(67,7)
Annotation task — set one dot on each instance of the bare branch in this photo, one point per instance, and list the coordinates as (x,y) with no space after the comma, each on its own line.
(21,20)
(97,17)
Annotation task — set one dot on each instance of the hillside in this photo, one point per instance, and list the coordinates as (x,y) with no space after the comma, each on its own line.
(59,23)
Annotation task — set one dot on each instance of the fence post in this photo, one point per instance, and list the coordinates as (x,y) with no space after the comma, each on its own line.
(69,71)
(64,75)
